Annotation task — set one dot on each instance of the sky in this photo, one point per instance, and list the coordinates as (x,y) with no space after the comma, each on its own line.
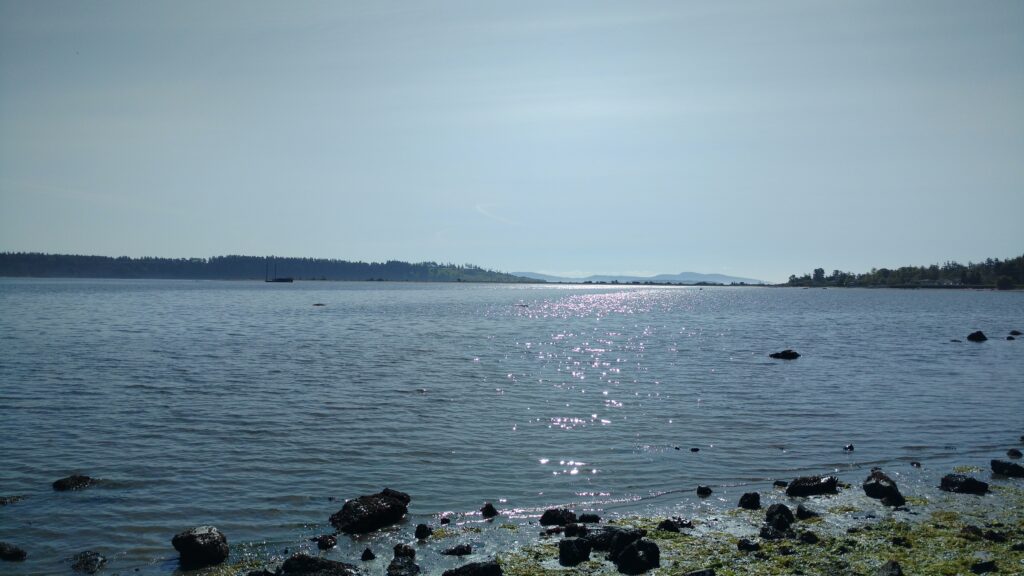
(757,139)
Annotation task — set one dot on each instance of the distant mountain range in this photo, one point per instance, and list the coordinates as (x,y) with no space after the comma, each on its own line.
(681,278)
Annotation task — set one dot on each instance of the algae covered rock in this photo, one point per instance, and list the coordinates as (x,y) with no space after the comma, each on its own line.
(573,551)
(639,557)
(962,484)
(557,517)
(372,512)
(881,487)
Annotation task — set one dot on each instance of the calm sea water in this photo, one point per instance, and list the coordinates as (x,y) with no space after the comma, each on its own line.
(242,405)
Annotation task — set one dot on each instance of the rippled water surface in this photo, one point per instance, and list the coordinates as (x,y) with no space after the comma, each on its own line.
(244,405)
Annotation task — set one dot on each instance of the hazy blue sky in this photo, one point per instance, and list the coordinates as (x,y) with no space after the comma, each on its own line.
(750,138)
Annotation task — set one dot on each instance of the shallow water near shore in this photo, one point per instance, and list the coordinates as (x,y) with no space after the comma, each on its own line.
(240,404)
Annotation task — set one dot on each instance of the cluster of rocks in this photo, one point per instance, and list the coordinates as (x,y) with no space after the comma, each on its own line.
(979,336)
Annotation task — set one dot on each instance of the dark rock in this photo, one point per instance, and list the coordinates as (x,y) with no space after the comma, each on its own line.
(978,336)
(589,518)
(881,487)
(260,572)
(812,485)
(5,500)
(750,501)
(1015,333)
(404,551)
(572,530)
(1010,469)
(73,482)
(993,536)
(368,513)
(488,568)
(786,354)
(557,517)
(769,532)
(704,572)
(1013,453)
(694,449)
(458,550)
(803,512)
(89,562)
(971,532)
(983,567)
(890,568)
(489,511)
(668,525)
(325,542)
(367,555)
(704,491)
(639,557)
(779,516)
(1018,547)
(848,448)
(955,340)
(423,531)
(403,566)
(1010,338)
(303,565)
(620,541)
(962,484)
(200,546)
(780,483)
(602,539)
(901,541)
(745,545)
(915,464)
(573,551)
(552,531)
(11,553)
(809,538)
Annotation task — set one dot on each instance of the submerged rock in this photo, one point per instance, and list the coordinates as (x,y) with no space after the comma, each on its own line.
(11,553)
(962,484)
(325,542)
(881,487)
(488,568)
(89,562)
(786,354)
(750,501)
(458,550)
(639,557)
(303,565)
(573,551)
(978,336)
(5,500)
(812,485)
(200,546)
(423,531)
(73,482)
(1015,333)
(1010,469)
(1013,453)
(488,511)
(368,513)
(557,517)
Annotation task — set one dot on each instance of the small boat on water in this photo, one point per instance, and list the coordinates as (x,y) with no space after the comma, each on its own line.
(276,278)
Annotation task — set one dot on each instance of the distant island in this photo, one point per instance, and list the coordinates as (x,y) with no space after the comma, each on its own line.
(36,265)
(992,273)
(693,278)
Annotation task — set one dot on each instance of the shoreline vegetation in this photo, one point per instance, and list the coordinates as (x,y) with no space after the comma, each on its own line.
(991,274)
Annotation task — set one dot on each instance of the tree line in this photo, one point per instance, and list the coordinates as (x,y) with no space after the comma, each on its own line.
(31,264)
(992,273)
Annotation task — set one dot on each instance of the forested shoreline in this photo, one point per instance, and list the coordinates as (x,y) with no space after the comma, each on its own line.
(992,273)
(233,267)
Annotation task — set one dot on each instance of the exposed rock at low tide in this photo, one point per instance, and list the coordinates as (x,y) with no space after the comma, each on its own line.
(1010,469)
(809,537)
(890,568)
(1013,453)
(750,501)
(779,516)
(403,566)
(572,530)
(786,354)
(668,525)
(11,553)
(812,485)
(325,542)
(639,557)
(744,545)
(557,517)
(367,555)
(605,538)
(780,483)
(704,572)
(404,551)
(303,565)
(803,512)
(573,551)
(423,531)
(372,512)
(881,487)
(488,511)
(488,568)
(589,518)
(978,336)
(962,484)
(458,550)
(200,546)
(704,491)
(1015,333)
(73,482)
(88,562)
(984,567)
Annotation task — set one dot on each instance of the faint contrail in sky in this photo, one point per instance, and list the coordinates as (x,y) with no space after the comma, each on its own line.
(485,209)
